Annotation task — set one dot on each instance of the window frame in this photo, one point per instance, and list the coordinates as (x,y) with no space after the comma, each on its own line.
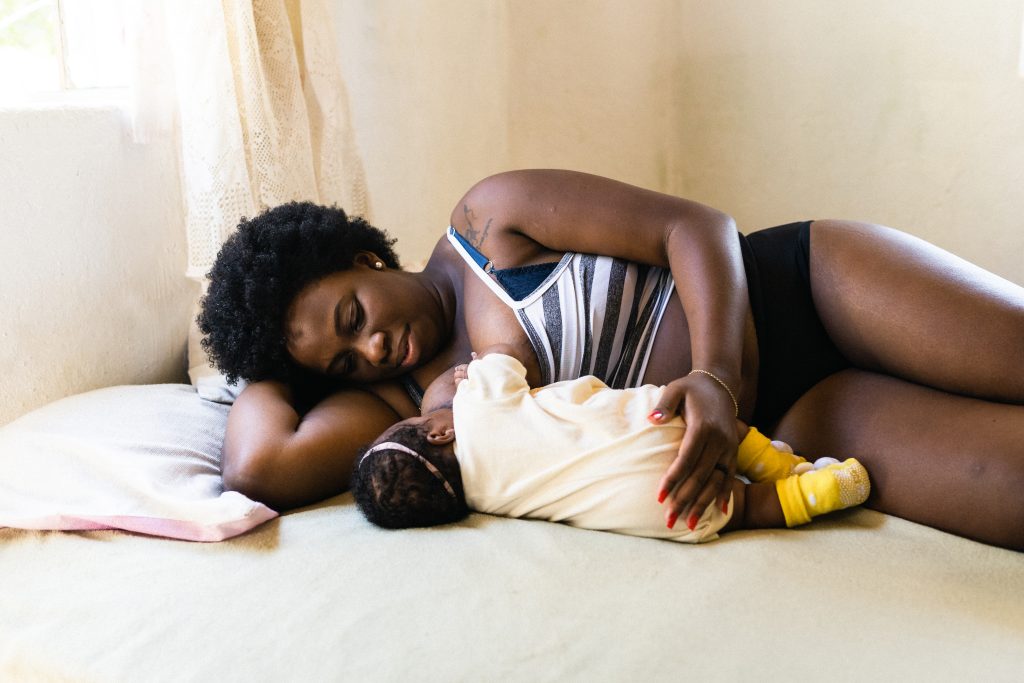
(66,91)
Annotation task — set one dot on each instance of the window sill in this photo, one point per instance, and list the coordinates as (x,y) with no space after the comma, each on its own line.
(91,98)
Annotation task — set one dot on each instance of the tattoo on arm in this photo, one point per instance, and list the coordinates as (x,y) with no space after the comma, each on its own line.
(475,237)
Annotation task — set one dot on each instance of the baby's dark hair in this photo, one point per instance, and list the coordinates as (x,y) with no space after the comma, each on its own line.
(260,269)
(395,490)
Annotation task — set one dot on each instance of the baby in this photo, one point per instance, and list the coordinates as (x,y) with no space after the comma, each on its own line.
(576,452)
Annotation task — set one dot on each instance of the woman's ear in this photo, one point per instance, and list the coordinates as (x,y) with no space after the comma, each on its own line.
(369,259)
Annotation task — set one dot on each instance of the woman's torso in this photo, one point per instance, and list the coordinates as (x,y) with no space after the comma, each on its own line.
(582,315)
(483,320)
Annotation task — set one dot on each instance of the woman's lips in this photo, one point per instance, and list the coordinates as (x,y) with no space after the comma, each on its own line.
(407,357)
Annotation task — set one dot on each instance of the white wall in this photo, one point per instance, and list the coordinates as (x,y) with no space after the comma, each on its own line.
(906,113)
(92,257)
(909,113)
(427,93)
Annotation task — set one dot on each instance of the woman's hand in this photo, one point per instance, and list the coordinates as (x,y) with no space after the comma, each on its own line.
(706,464)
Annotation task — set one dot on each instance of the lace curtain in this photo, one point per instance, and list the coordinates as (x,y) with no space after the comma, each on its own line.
(261,109)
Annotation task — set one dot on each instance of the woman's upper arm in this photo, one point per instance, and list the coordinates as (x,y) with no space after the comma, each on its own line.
(572,211)
(562,211)
(273,455)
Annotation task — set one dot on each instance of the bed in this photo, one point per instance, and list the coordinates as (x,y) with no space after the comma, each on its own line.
(318,594)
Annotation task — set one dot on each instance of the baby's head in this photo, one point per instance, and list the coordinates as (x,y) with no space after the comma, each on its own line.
(410,476)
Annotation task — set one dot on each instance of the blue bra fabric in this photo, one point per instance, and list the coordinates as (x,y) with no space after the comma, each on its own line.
(519,282)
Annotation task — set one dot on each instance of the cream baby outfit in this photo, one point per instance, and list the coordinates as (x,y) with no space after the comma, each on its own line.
(575,451)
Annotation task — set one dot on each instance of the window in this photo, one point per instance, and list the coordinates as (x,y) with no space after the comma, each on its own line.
(49,46)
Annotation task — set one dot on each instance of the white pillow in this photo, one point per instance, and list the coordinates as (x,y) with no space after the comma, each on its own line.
(139,458)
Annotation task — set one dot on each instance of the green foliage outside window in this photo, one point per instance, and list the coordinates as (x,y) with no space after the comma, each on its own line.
(29,25)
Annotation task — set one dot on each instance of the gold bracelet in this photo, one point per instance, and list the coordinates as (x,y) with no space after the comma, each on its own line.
(724,386)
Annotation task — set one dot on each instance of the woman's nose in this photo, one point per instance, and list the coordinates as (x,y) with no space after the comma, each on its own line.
(375,348)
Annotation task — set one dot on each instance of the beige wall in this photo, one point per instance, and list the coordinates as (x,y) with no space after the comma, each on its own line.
(428,98)
(909,113)
(92,257)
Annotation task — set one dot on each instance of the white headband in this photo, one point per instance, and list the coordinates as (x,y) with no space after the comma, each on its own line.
(393,446)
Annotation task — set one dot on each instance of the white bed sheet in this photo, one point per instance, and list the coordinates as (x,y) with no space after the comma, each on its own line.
(321,595)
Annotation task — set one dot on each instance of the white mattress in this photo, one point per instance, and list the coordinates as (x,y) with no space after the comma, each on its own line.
(319,594)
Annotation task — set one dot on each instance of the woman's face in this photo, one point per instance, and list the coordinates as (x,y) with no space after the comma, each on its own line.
(364,324)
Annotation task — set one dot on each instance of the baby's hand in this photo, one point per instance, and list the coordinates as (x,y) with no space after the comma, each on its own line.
(461,372)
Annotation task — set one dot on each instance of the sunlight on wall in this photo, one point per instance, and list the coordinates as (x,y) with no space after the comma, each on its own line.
(902,113)
(92,258)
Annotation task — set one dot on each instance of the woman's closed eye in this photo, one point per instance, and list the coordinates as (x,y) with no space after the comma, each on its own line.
(348,364)
(356,321)
(344,363)
(357,317)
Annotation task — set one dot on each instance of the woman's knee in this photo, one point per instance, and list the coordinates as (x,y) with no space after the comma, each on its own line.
(1001,479)
(939,459)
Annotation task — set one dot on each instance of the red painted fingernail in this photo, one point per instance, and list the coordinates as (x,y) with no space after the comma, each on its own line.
(725,506)
(691,521)
(656,415)
(662,495)
(671,521)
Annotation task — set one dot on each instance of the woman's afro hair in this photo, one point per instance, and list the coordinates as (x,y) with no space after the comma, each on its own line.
(260,269)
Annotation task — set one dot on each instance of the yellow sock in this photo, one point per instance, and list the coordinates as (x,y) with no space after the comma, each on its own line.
(758,460)
(817,492)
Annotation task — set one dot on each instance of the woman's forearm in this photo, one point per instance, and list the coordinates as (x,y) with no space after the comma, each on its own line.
(260,424)
(707,267)
(274,455)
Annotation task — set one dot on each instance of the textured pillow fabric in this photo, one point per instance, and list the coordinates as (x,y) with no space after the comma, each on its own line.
(138,458)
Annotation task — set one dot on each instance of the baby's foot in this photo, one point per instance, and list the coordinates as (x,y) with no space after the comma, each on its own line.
(852,480)
(835,486)
(781,446)
(759,459)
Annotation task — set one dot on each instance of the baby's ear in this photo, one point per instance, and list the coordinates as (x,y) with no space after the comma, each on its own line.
(439,436)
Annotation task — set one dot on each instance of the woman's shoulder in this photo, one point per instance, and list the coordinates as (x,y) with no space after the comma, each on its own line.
(498,197)
(488,218)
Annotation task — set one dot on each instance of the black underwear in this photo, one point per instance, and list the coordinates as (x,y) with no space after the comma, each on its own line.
(794,350)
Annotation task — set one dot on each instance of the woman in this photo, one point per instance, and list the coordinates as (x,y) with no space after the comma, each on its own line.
(838,337)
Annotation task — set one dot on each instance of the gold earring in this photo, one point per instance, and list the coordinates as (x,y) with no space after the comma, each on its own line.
(378,265)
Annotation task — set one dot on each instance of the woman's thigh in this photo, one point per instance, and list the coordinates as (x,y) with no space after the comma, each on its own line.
(947,461)
(899,305)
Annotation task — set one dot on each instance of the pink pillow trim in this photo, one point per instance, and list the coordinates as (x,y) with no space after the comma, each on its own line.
(151,526)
